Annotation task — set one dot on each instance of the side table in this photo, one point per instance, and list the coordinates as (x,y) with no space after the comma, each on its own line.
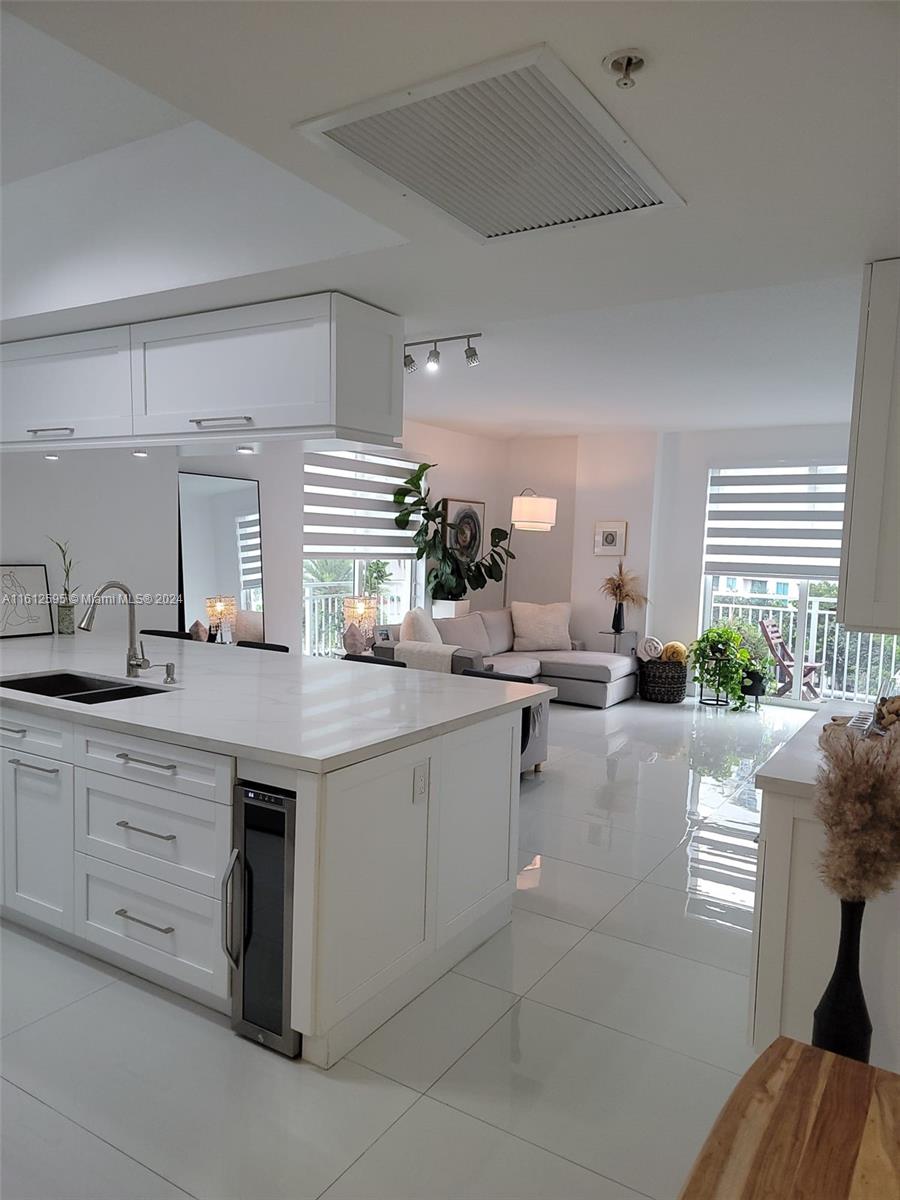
(619,643)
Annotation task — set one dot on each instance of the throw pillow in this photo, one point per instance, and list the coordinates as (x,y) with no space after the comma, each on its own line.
(468,632)
(417,626)
(541,626)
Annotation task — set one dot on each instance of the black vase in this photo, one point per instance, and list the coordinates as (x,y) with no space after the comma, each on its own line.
(841,1021)
(618,617)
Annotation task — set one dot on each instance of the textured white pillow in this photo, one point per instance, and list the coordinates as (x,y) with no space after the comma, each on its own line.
(417,626)
(541,626)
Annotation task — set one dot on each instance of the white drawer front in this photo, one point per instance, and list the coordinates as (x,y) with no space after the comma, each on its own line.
(177,768)
(178,838)
(153,923)
(35,734)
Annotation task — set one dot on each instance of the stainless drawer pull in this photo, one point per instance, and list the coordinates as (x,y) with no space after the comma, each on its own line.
(123,912)
(227,916)
(219,420)
(9,729)
(145,762)
(67,429)
(17,762)
(163,837)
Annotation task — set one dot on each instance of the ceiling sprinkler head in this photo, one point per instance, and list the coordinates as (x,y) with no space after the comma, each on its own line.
(624,64)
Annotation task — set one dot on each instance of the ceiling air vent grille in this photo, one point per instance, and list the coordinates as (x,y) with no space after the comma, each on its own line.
(508,147)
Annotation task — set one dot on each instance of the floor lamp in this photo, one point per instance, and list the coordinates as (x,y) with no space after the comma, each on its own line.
(529,511)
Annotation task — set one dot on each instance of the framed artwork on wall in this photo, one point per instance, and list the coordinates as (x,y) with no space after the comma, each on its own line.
(609,537)
(25,601)
(468,517)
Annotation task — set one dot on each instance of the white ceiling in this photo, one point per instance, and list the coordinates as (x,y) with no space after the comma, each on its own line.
(778,123)
(58,106)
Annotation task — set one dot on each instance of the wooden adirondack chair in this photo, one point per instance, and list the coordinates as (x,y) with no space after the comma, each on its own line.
(785,665)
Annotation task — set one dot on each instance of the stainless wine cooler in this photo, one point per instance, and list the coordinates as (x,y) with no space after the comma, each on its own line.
(257,915)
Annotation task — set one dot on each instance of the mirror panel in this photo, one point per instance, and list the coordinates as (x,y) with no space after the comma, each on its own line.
(221,553)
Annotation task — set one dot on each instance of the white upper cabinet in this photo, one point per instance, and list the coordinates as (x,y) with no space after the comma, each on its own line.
(869,597)
(67,388)
(317,361)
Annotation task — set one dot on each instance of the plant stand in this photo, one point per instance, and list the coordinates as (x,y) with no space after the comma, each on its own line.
(720,699)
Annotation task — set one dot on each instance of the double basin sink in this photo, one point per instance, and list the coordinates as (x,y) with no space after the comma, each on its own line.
(84,689)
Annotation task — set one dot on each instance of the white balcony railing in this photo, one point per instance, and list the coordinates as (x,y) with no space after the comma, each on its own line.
(323,615)
(852,663)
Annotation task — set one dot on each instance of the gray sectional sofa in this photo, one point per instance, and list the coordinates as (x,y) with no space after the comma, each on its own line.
(589,677)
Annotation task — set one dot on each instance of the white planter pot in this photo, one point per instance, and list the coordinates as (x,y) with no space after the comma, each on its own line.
(449,608)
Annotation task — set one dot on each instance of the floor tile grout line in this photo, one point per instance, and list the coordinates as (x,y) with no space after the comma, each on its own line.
(375,1141)
(537,1146)
(625,1033)
(700,962)
(99,1137)
(600,870)
(62,1008)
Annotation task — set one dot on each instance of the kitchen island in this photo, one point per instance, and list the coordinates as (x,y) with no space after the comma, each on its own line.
(406,788)
(797,920)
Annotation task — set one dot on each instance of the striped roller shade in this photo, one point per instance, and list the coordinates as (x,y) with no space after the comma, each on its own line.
(775,522)
(348,507)
(249,550)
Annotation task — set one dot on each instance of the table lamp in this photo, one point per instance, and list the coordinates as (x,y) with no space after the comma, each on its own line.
(221,612)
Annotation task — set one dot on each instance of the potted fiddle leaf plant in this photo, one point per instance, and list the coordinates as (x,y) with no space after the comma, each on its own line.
(450,575)
(65,607)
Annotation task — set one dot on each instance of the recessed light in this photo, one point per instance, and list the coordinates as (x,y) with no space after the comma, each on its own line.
(245,450)
(433,361)
(52,457)
(140,453)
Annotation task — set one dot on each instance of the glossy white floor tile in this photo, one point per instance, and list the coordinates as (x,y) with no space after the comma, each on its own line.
(519,954)
(37,977)
(634,1112)
(707,930)
(417,1045)
(594,843)
(438,1152)
(47,1157)
(717,861)
(567,891)
(675,1002)
(170,1085)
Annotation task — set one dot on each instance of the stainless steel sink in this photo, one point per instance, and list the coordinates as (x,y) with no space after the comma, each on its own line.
(84,689)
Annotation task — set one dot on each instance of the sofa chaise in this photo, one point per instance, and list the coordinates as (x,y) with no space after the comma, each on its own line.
(486,640)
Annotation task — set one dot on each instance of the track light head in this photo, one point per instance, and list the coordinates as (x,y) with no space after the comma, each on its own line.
(472,359)
(409,364)
(433,361)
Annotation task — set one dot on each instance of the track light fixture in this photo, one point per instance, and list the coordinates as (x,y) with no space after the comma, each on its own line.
(433,361)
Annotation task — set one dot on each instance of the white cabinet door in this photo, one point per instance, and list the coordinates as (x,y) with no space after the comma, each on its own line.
(869,596)
(38,837)
(62,389)
(234,370)
(367,371)
(375,921)
(478,820)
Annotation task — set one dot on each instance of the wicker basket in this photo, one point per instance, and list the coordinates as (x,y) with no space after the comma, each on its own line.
(663,682)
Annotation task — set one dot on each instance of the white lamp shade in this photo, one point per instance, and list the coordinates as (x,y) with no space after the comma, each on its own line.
(534,512)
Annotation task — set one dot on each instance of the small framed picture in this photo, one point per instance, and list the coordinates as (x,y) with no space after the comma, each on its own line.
(609,537)
(382,633)
(25,601)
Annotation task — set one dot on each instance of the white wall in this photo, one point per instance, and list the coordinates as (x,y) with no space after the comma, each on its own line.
(542,569)
(120,514)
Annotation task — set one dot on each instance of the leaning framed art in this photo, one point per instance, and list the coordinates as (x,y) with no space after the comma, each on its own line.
(25,609)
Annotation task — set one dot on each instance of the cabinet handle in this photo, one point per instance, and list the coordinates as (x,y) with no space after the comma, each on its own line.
(17,732)
(163,837)
(17,762)
(219,420)
(145,762)
(123,912)
(66,429)
(227,918)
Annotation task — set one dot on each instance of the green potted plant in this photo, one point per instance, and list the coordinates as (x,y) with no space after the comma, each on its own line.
(449,575)
(65,608)
(719,662)
(758,670)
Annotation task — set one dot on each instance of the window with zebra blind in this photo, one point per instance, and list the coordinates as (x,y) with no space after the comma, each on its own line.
(249,543)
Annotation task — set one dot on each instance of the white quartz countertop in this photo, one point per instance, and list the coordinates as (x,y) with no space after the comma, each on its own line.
(792,769)
(311,714)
